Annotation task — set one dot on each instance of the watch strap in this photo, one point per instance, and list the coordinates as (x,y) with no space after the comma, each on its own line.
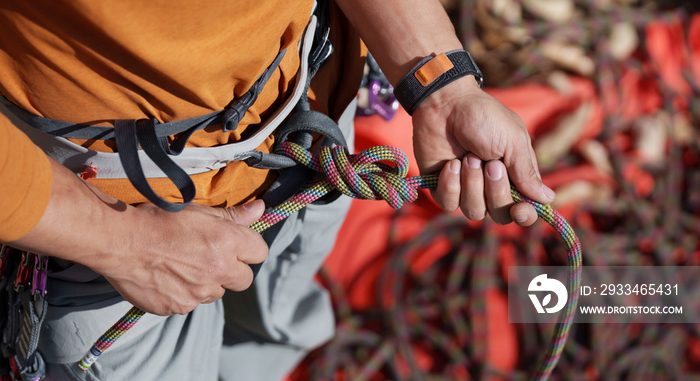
(433,73)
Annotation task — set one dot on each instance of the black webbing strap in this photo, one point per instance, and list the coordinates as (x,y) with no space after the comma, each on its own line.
(410,92)
(312,121)
(84,131)
(304,122)
(129,135)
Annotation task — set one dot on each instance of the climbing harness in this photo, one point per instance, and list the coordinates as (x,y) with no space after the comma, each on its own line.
(367,176)
(158,157)
(24,304)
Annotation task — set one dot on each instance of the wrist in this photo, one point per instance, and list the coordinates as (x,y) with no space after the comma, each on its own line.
(120,229)
(464,86)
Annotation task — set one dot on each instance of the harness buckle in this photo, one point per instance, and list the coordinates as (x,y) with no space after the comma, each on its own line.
(24,272)
(40,276)
(236,111)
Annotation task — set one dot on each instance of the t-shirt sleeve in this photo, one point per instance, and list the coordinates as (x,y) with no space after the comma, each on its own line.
(25,182)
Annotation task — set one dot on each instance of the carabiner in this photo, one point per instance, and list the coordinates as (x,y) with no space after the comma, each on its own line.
(382,100)
(40,275)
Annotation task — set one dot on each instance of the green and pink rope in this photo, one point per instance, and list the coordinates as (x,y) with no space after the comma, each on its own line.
(367,175)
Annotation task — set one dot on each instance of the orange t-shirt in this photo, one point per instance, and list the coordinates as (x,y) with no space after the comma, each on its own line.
(91,62)
(25,183)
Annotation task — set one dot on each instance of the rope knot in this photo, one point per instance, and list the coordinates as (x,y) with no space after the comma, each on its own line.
(365,175)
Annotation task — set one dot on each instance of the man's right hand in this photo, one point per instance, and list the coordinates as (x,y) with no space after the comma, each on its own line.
(164,263)
(183,259)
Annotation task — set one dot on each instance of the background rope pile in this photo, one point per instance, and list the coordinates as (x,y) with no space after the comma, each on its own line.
(629,185)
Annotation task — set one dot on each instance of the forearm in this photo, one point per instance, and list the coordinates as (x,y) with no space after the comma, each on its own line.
(81,224)
(399,33)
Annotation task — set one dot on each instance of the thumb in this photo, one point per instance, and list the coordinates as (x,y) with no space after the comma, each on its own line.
(523,172)
(245,214)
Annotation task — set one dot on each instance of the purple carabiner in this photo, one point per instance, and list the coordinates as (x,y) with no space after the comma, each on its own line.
(40,275)
(386,108)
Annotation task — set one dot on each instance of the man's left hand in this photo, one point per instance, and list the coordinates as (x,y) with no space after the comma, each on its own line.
(479,146)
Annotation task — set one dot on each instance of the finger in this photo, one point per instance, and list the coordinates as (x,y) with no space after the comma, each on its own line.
(251,247)
(497,190)
(522,170)
(545,188)
(533,159)
(241,277)
(216,296)
(245,214)
(241,214)
(523,214)
(448,189)
(472,199)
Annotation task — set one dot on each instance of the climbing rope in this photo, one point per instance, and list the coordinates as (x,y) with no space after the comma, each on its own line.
(367,176)
(573,248)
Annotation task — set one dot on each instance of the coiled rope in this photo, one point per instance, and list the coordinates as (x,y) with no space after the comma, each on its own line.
(367,176)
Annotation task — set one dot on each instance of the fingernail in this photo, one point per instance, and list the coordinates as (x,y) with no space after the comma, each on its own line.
(473,162)
(495,171)
(254,206)
(520,217)
(548,192)
(454,166)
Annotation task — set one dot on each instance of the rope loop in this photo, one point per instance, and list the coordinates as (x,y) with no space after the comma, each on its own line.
(365,175)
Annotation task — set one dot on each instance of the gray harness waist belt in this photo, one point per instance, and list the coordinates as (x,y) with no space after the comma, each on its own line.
(157,158)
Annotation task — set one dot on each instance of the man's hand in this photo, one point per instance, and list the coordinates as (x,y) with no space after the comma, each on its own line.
(183,259)
(164,263)
(458,128)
